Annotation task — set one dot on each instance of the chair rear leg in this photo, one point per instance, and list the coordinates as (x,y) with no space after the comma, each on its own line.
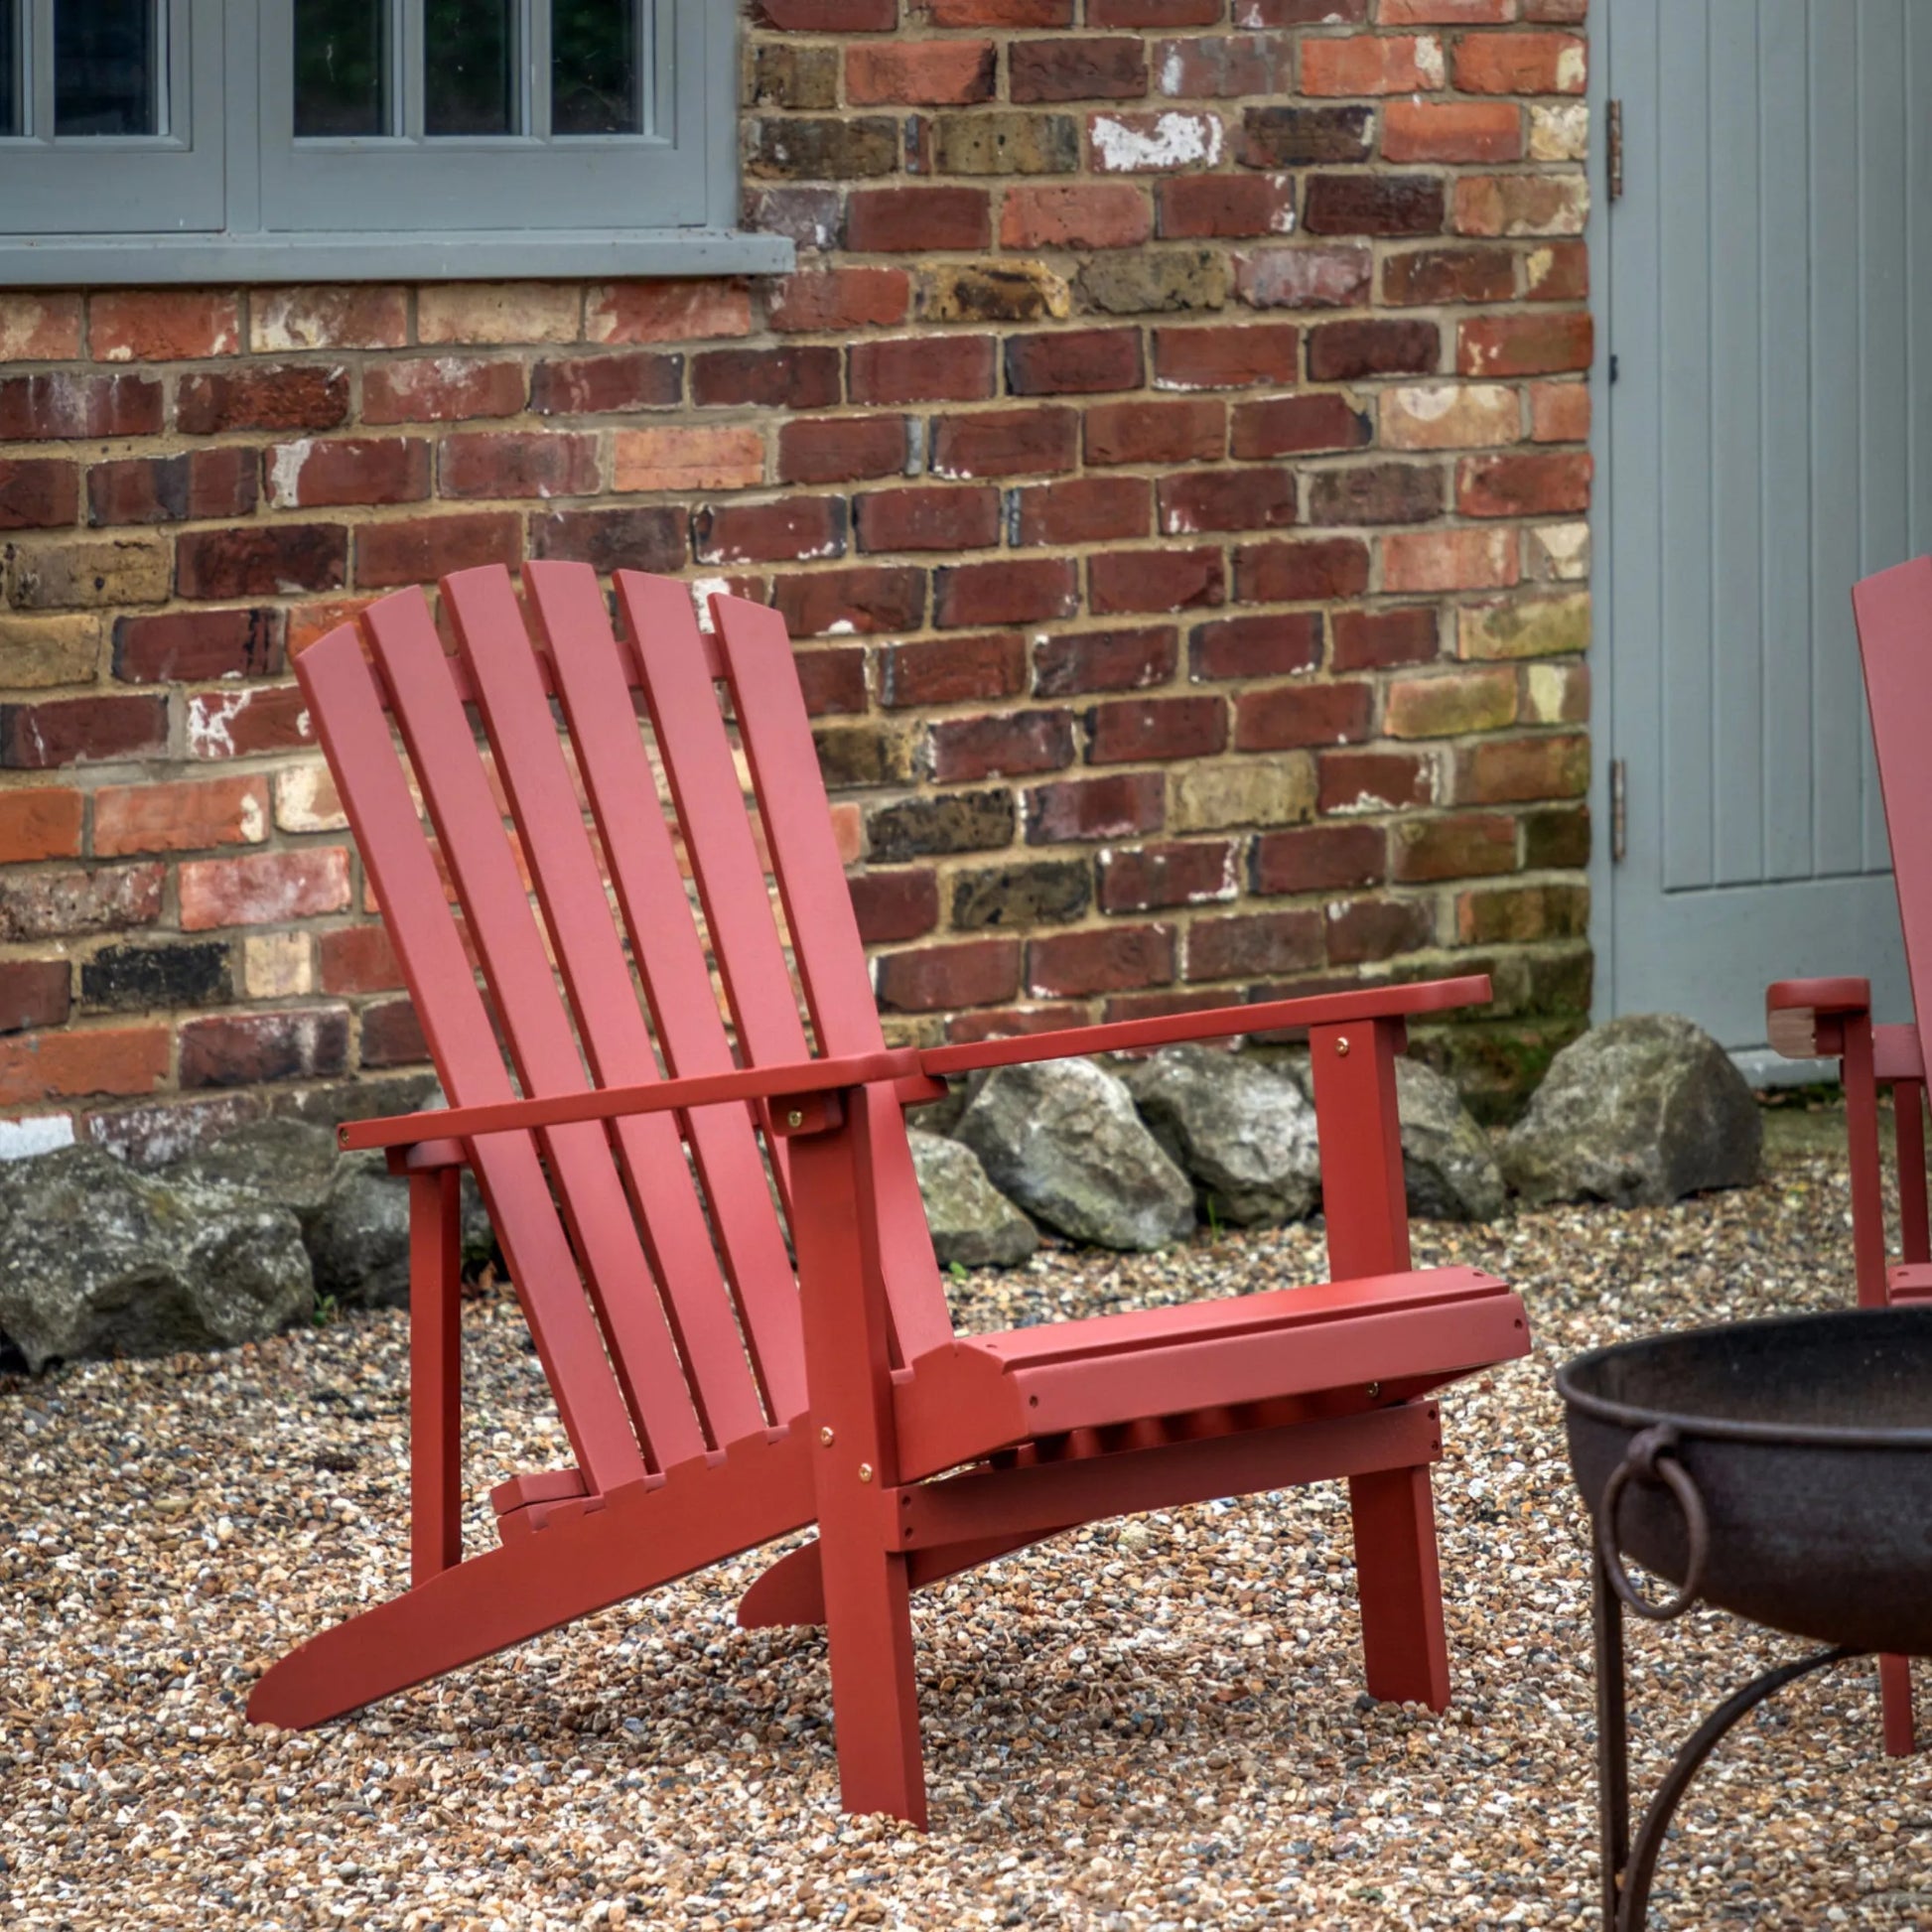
(875,1691)
(1404,1644)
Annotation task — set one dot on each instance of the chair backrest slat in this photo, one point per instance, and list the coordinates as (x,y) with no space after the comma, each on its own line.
(797,816)
(536,1027)
(611,1023)
(348,708)
(591,678)
(1895,617)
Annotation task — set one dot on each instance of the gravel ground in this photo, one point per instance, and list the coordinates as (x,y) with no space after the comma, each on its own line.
(1156,1725)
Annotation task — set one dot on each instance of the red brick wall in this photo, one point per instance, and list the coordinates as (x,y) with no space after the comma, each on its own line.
(1170,454)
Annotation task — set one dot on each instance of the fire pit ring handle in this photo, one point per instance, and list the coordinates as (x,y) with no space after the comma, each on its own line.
(1652,1456)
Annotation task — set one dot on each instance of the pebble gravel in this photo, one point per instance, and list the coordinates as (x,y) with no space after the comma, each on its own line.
(1155,1724)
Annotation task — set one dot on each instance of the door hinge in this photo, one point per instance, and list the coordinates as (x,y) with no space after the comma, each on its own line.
(1619,822)
(1613,146)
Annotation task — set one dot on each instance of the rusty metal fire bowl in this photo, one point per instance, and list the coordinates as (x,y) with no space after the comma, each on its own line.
(1780,1469)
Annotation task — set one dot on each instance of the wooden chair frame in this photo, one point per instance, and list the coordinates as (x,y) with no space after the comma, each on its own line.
(705,1424)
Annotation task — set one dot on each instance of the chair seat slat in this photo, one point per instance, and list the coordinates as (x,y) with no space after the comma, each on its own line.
(349,711)
(591,680)
(442,750)
(503,667)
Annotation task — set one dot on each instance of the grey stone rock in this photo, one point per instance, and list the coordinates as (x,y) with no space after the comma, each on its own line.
(359,1241)
(973,1224)
(97,1259)
(280,1163)
(1062,1138)
(1449,1168)
(1638,1112)
(1244,1130)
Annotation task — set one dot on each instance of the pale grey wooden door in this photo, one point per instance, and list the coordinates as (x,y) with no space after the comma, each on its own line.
(1766,432)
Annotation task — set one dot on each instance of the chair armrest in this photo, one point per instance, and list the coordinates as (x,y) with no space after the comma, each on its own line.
(1804,1019)
(800,1079)
(1220,1023)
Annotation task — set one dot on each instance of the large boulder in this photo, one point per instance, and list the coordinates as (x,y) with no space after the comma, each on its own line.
(97,1259)
(973,1224)
(278,1162)
(1062,1137)
(1638,1112)
(1244,1130)
(1448,1166)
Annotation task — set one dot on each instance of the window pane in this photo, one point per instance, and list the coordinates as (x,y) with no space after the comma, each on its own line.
(597,71)
(9,69)
(470,53)
(341,67)
(107,67)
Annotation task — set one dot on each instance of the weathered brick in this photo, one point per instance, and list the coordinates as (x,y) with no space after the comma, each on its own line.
(70,731)
(1450,415)
(37,494)
(1156,432)
(864,754)
(794,530)
(1154,282)
(1520,204)
(1255,644)
(643,539)
(1080,361)
(392,1035)
(154,978)
(1116,806)
(1540,484)
(498,312)
(306,800)
(1559,412)
(163,325)
(796,376)
(1139,731)
(790,75)
(90,574)
(1003,143)
(1303,714)
(1515,914)
(64,1066)
(811,217)
(1556,694)
(324,472)
(180,817)
(1253,499)
(1225,204)
(1128,144)
(1028,591)
(1521,64)
(1533,345)
(1342,351)
(1516,770)
(1248,943)
(1089,67)
(1151,877)
(619,383)
(1449,703)
(952,670)
(1531,626)
(914,220)
(1083,509)
(1155,579)
(259,395)
(1373,204)
(275,560)
(246,1050)
(234,724)
(1104,660)
(1279,789)
(38,822)
(40,651)
(1460,846)
(1109,959)
(998,13)
(1423,277)
(919,73)
(832,680)
(818,148)
(1225,65)
(1335,277)
(167,489)
(39,328)
(864,599)
(936,823)
(894,906)
(1318,859)
(1033,892)
(1376,492)
(51,904)
(1223,357)
(1155,13)
(434,389)
(1300,573)
(1449,560)
(1457,130)
(277,966)
(1298,426)
(264,888)
(1558,552)
(1005,1023)
(1038,440)
(33,993)
(936,979)
(1446,13)
(918,368)
(1299,136)
(1084,214)
(1001,744)
(942,518)
(1370,929)
(1374,782)
(683,459)
(334,315)
(1375,640)
(838,299)
(842,449)
(1556,837)
(1372,64)
(359,959)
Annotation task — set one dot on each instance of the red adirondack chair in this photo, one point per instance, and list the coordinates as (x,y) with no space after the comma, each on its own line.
(713,1398)
(1824,1018)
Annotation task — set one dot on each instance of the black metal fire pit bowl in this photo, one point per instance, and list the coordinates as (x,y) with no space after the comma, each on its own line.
(1780,1469)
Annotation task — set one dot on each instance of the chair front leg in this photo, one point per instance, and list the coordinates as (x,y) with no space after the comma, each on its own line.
(1908,1123)
(435,1373)
(1867,1180)
(848,1375)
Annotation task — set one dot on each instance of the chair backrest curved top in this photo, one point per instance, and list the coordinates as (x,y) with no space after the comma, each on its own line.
(658,1289)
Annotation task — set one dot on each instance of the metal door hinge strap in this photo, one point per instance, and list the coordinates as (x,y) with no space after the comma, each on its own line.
(1619,822)
(1614,116)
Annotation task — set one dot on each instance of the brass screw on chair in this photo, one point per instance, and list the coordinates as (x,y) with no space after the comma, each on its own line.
(865,1471)
(1341,1048)
(794,1118)
(825,1437)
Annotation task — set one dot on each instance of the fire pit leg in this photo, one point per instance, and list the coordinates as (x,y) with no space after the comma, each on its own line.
(1628,1868)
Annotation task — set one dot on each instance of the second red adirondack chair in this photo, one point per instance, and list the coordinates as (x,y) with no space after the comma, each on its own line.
(714,1398)
(1832,1017)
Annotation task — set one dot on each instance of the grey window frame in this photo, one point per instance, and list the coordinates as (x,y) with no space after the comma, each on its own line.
(660,203)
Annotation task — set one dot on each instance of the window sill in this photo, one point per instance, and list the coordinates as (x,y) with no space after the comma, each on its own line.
(65,261)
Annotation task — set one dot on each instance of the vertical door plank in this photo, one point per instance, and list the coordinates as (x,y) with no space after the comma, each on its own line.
(542,1047)
(355,733)
(611,1023)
